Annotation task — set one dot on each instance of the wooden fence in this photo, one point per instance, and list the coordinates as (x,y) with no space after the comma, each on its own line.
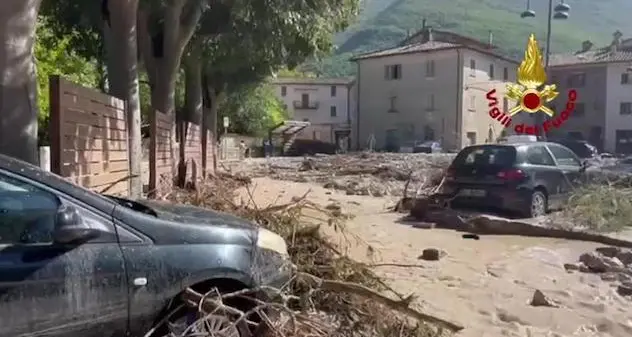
(161,153)
(89,142)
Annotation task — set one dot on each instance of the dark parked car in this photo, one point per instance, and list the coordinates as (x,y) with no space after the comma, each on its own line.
(427,147)
(527,178)
(77,263)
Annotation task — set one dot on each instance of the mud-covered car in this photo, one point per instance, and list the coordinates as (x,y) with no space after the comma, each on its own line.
(77,263)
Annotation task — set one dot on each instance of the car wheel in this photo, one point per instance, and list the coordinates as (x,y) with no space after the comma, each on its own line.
(213,325)
(538,205)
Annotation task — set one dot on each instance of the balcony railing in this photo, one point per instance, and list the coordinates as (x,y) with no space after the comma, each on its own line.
(305,105)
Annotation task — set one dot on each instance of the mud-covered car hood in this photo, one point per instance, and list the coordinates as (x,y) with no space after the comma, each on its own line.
(171,223)
(192,215)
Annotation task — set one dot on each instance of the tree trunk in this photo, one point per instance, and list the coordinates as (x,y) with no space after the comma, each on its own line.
(193,97)
(123,66)
(18,83)
(162,72)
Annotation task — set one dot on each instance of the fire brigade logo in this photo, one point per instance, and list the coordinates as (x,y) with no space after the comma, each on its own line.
(531,95)
(531,76)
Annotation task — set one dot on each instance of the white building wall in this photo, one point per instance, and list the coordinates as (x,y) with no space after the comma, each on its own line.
(477,82)
(419,101)
(319,109)
(319,94)
(616,94)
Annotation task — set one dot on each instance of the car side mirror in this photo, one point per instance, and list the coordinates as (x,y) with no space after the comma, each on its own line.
(70,227)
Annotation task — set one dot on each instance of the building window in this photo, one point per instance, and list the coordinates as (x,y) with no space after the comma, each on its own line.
(333,91)
(505,105)
(430,68)
(625,108)
(505,74)
(491,71)
(472,67)
(625,78)
(393,104)
(393,72)
(471,137)
(332,111)
(598,105)
(576,80)
(430,106)
(472,106)
(580,110)
(285,107)
(304,100)
(305,119)
(283,91)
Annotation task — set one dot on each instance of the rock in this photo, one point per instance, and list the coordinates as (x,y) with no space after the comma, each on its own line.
(608,251)
(598,263)
(541,300)
(610,277)
(625,289)
(432,254)
(572,266)
(625,257)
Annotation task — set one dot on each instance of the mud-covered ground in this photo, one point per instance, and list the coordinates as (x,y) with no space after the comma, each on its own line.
(374,174)
(488,285)
(497,285)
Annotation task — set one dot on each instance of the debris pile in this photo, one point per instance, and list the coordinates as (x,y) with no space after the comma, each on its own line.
(330,295)
(374,174)
(614,264)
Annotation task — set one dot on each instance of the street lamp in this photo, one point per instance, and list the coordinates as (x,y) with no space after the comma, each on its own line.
(561,13)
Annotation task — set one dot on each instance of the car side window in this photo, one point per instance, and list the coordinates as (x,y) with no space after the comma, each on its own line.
(564,156)
(27,213)
(538,155)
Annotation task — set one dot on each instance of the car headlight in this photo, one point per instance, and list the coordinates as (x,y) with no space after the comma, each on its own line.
(272,241)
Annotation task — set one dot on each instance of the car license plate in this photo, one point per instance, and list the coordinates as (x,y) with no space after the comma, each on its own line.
(472,193)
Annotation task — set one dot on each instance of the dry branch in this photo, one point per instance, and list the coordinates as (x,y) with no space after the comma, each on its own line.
(336,296)
(402,306)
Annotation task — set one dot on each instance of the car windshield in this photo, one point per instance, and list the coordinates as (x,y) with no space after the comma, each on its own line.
(486,156)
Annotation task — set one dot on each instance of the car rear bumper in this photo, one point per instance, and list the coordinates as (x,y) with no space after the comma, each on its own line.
(496,197)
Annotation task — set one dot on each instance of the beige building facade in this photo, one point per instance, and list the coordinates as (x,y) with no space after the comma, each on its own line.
(326,103)
(603,79)
(432,87)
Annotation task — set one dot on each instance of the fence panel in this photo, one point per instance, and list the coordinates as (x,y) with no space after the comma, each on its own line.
(161,153)
(210,159)
(193,152)
(88,133)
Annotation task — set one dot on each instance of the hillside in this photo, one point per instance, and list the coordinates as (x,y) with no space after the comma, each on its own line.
(383,23)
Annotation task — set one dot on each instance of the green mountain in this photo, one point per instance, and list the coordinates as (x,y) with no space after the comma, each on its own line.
(384,23)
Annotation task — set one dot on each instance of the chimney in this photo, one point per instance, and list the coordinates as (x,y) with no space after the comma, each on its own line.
(586,45)
(428,34)
(490,41)
(423,24)
(407,33)
(616,41)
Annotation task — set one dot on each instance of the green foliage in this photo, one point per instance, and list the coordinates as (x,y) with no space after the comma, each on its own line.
(384,23)
(55,57)
(253,109)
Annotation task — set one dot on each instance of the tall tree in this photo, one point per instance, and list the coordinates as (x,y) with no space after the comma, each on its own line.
(120,33)
(107,34)
(18,84)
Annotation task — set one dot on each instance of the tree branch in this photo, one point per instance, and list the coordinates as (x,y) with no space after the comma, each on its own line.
(144,44)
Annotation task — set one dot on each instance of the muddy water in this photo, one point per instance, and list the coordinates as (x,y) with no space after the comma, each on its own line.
(485,284)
